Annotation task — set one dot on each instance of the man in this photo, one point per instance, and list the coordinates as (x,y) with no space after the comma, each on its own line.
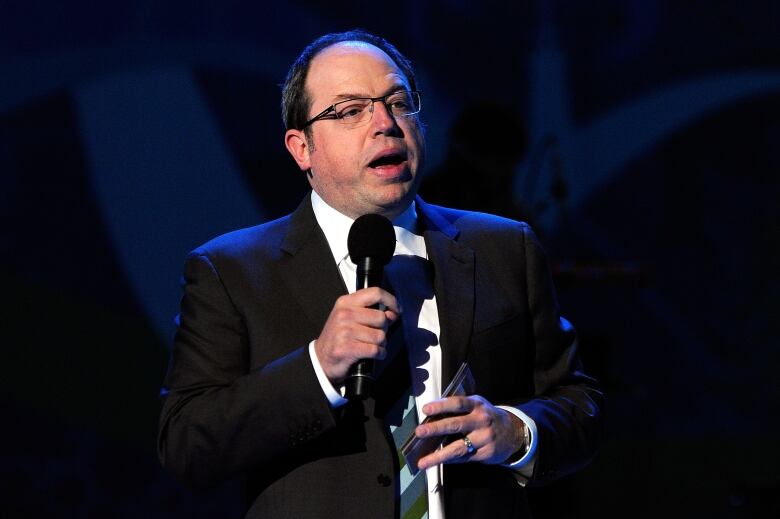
(270,325)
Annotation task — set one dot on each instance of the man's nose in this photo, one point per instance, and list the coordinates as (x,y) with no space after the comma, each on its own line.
(383,120)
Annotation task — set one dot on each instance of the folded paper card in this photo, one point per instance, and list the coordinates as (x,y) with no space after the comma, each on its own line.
(415,448)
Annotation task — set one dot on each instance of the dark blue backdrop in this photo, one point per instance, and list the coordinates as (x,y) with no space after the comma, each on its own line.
(640,138)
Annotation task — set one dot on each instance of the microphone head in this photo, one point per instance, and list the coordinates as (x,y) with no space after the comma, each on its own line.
(371,236)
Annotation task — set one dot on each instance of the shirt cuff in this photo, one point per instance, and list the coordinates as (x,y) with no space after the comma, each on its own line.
(334,397)
(525,465)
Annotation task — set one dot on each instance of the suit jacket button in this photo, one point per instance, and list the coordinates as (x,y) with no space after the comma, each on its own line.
(384,480)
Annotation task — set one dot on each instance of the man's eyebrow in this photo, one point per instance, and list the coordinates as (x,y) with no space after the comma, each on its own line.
(348,95)
(351,95)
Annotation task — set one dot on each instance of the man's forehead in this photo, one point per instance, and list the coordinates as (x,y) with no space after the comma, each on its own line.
(353,46)
(331,58)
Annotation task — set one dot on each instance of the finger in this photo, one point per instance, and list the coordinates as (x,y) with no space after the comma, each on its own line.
(346,338)
(348,352)
(391,316)
(345,317)
(364,350)
(450,405)
(372,318)
(371,296)
(454,452)
(443,427)
(366,336)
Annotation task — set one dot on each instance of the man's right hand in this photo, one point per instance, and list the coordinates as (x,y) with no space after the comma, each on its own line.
(355,331)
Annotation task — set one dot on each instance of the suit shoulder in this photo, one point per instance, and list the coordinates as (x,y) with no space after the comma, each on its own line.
(474,221)
(260,239)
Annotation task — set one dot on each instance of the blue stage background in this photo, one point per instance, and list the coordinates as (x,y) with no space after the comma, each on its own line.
(639,137)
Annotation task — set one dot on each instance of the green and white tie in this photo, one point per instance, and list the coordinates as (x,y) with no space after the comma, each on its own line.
(413,488)
(411,278)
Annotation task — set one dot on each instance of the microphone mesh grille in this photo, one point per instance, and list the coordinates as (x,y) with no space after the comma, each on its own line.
(371,236)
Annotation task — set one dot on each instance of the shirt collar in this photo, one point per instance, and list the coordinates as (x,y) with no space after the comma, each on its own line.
(336,227)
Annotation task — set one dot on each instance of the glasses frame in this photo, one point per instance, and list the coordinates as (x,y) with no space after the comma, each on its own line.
(330,112)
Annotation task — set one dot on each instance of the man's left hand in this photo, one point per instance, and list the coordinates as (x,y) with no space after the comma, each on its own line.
(495,433)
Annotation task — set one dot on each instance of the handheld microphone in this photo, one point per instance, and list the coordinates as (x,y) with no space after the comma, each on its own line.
(371,243)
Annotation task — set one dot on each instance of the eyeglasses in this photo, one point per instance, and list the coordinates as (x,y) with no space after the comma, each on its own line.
(358,110)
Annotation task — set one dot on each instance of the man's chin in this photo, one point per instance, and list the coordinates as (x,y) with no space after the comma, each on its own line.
(392,206)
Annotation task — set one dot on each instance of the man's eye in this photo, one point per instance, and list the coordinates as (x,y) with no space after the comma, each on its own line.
(400,103)
(349,111)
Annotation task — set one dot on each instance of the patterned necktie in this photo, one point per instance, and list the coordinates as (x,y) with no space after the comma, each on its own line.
(408,275)
(413,488)
(396,404)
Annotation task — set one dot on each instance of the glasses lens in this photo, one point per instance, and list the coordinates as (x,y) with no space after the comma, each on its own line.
(353,111)
(404,103)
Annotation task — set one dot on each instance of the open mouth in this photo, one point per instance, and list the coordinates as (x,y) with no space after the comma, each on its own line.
(391,159)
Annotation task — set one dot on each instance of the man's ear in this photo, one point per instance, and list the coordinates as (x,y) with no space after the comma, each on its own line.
(298,146)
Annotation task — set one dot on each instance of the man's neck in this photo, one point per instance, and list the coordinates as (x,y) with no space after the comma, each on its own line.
(389,213)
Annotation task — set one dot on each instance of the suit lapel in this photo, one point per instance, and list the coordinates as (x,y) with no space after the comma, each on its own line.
(315,282)
(453,284)
(311,274)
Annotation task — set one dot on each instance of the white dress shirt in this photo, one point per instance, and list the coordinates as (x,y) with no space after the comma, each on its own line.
(336,228)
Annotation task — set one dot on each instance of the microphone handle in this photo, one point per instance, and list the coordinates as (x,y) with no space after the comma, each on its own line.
(360,377)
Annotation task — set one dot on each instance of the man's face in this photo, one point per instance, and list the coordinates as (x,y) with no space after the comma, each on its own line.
(373,168)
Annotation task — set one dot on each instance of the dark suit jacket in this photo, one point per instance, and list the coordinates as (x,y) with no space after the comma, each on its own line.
(241,396)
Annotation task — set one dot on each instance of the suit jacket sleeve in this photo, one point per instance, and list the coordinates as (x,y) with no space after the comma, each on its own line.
(567,406)
(219,416)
